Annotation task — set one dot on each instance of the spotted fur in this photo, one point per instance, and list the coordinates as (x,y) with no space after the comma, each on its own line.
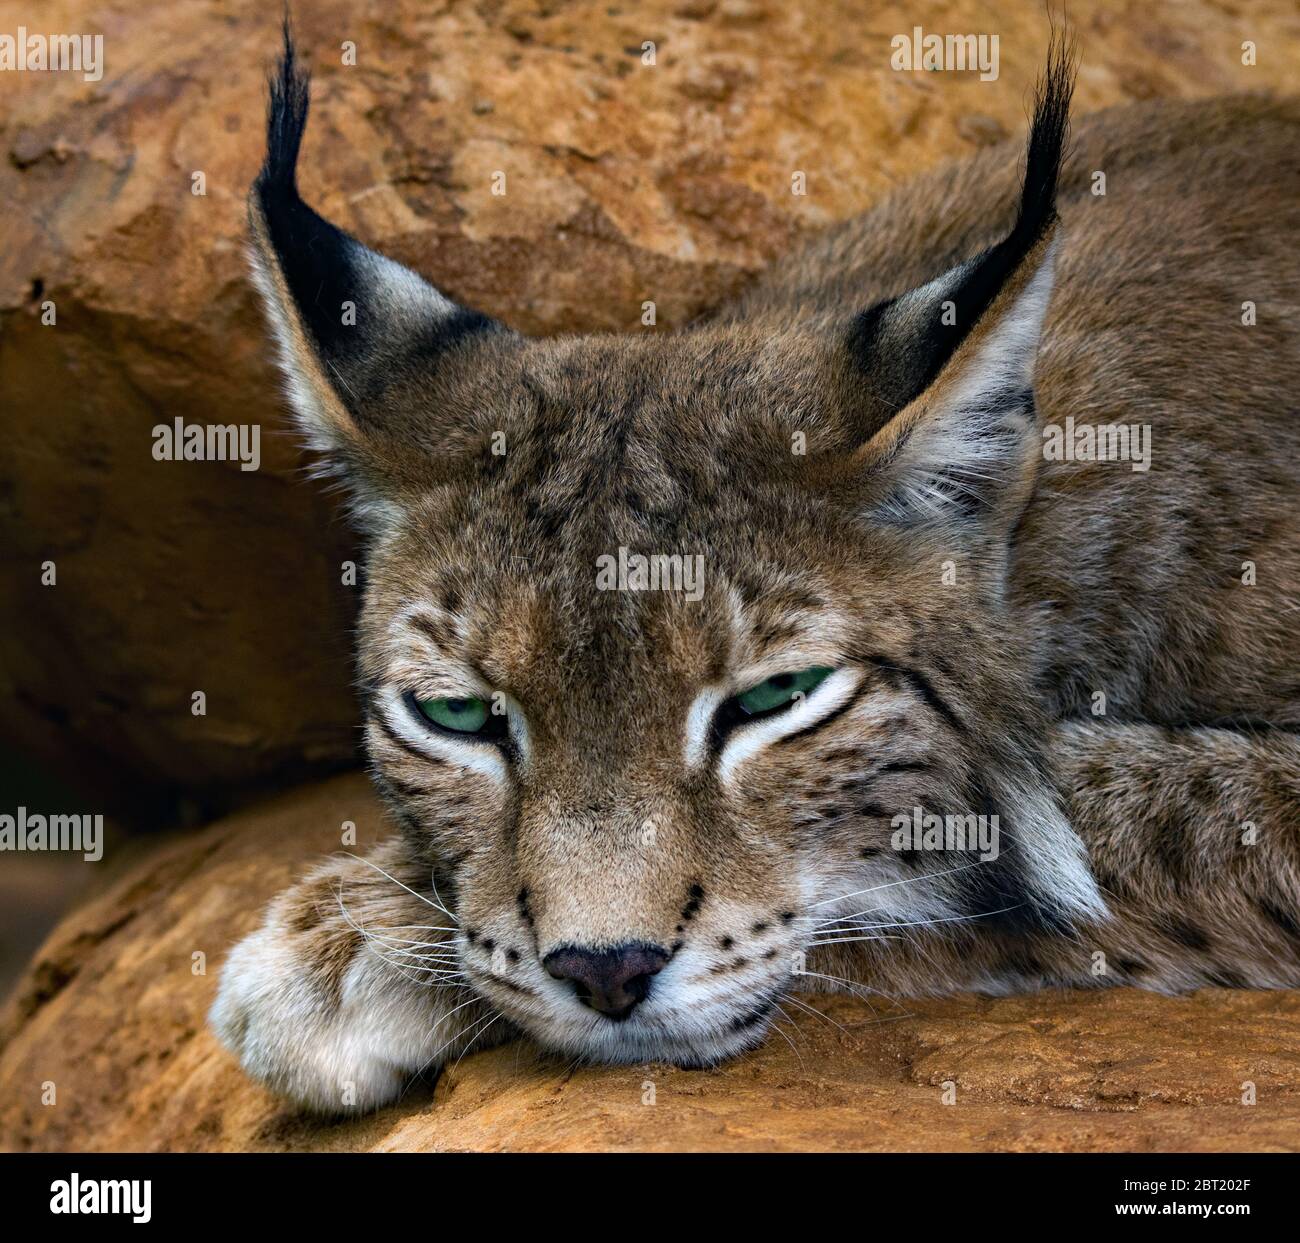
(866,485)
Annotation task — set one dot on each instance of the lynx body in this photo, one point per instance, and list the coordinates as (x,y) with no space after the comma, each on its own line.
(868,455)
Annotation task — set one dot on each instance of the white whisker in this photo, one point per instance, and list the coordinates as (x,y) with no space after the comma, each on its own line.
(427,901)
(803,1005)
(914,923)
(477,1033)
(847,940)
(906,880)
(776,1028)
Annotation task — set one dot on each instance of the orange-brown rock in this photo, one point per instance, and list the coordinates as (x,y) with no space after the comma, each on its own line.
(626,181)
(112,1014)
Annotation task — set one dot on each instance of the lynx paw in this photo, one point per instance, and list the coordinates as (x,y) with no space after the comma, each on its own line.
(310,1037)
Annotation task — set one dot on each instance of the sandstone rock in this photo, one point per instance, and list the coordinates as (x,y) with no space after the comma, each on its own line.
(112,1014)
(669,182)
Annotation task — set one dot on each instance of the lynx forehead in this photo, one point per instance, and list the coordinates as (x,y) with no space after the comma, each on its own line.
(673,645)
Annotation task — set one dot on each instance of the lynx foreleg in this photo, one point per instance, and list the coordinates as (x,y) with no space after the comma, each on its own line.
(1193,836)
(350,987)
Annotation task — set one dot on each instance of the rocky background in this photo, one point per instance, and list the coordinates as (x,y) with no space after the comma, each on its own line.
(626,182)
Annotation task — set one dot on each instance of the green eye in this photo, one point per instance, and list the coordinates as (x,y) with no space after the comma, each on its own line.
(781,690)
(461,716)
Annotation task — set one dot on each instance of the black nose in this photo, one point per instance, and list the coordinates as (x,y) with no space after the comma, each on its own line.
(613,981)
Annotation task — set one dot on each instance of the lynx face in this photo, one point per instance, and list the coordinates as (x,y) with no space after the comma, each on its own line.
(661,633)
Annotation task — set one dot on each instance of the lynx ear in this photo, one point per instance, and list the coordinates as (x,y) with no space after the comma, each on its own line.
(955,358)
(352,326)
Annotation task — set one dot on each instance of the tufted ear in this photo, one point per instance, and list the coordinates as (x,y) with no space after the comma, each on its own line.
(955,358)
(355,330)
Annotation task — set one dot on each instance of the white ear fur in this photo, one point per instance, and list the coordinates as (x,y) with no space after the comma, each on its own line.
(965,439)
(325,424)
(302,380)
(1006,356)
(317,387)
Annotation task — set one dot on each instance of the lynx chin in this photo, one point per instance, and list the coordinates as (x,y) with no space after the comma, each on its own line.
(524,725)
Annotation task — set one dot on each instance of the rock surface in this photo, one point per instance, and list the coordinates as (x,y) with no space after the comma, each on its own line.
(111,1014)
(669,182)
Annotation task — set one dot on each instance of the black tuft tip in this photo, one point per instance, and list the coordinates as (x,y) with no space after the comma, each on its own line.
(286,119)
(1048,133)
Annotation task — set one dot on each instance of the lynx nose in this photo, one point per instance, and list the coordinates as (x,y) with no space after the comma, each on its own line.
(613,981)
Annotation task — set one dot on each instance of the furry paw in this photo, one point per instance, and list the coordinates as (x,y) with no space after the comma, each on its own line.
(304,1035)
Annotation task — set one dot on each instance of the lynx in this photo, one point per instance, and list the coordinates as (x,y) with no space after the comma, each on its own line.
(630,821)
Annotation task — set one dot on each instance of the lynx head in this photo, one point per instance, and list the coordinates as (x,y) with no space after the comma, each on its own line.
(661,632)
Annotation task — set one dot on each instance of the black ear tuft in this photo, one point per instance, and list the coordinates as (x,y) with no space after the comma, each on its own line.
(286,119)
(905,341)
(319,262)
(1047,137)
(355,328)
